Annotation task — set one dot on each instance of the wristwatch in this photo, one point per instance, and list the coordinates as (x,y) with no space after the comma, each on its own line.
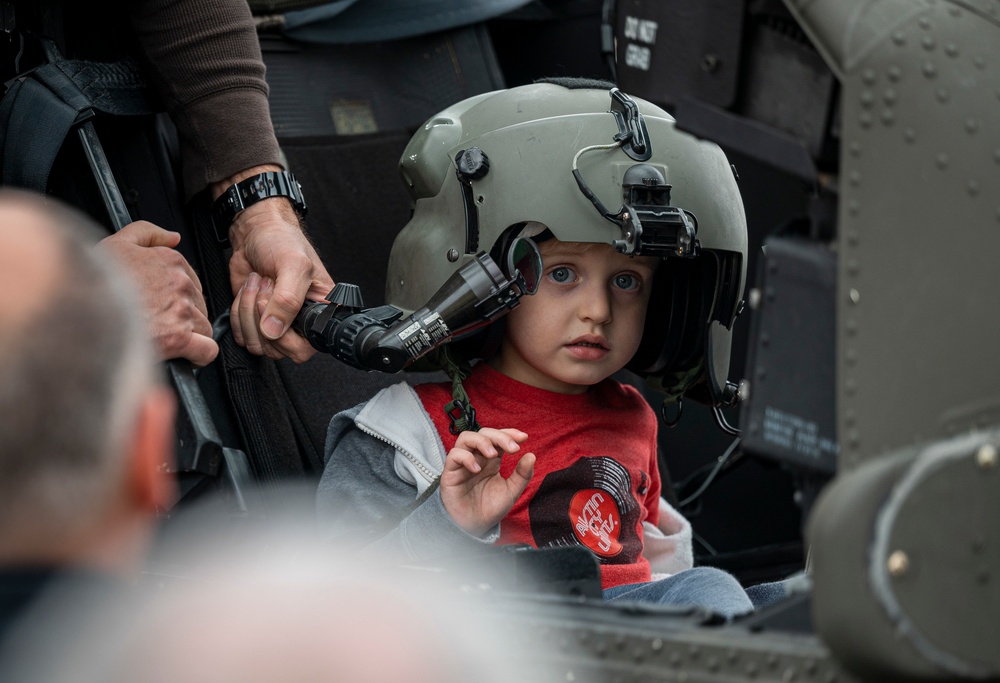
(248,192)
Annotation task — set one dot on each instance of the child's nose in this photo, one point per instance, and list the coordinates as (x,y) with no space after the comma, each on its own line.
(596,305)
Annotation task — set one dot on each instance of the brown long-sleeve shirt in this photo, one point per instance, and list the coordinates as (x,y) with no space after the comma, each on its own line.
(202,59)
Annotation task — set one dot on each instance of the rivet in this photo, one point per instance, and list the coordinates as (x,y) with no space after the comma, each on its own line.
(942,95)
(972,188)
(753,299)
(954,11)
(765,339)
(983,575)
(910,135)
(868,76)
(929,70)
(924,22)
(853,436)
(713,663)
(855,178)
(850,418)
(971,126)
(888,117)
(855,149)
(951,50)
(853,207)
(769,294)
(979,62)
(788,675)
(898,564)
(941,161)
(851,387)
(899,38)
(853,267)
(867,98)
(853,238)
(855,296)
(851,357)
(928,43)
(894,73)
(452,256)
(761,373)
(865,119)
(480,199)
(986,456)
(657,645)
(851,326)
(889,96)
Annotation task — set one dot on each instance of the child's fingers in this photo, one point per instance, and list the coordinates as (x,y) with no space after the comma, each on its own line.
(459,458)
(487,441)
(519,478)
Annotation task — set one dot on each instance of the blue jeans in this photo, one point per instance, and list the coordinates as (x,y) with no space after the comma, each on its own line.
(706,587)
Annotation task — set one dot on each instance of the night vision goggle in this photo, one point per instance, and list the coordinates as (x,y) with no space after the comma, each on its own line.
(383,339)
(650,225)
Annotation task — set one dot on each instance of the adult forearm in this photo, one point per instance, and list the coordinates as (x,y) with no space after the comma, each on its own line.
(204,61)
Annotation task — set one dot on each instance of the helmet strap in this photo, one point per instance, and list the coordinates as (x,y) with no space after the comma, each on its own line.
(459,409)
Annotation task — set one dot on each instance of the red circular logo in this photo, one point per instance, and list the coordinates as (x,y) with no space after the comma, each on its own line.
(596,521)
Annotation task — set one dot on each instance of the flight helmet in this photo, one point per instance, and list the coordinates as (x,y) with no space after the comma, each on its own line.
(590,164)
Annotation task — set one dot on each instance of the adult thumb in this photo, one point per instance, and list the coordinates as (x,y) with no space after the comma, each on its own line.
(146,234)
(282,307)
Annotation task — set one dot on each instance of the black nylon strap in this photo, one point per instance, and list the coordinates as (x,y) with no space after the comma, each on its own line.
(39,109)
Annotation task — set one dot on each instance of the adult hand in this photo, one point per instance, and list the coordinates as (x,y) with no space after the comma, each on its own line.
(473,492)
(273,270)
(169,291)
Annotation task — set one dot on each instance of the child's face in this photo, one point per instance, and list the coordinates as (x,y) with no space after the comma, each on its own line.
(585,321)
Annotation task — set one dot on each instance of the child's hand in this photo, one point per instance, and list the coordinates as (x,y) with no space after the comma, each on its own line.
(472,490)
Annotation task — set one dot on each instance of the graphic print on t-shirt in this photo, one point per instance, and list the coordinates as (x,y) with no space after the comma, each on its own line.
(590,503)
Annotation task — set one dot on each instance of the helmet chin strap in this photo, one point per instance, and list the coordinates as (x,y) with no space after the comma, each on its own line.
(459,409)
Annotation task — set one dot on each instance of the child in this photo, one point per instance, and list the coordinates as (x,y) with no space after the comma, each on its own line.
(424,485)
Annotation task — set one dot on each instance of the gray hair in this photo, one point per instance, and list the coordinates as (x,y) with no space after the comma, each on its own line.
(71,380)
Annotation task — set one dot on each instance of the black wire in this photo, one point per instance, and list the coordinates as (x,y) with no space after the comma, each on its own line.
(719,464)
(720,419)
(698,539)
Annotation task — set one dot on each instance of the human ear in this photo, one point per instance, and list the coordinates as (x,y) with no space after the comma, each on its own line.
(151,451)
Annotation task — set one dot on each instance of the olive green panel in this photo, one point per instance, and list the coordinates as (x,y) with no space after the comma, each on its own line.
(906,563)
(919,218)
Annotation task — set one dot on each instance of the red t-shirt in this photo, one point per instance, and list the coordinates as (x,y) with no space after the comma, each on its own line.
(596,478)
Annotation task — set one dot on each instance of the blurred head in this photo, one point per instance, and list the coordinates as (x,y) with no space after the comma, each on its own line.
(592,165)
(265,600)
(78,387)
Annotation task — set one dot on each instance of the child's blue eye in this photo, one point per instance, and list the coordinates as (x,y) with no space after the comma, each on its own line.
(626,281)
(562,274)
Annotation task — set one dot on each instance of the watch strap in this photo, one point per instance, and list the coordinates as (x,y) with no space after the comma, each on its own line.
(251,190)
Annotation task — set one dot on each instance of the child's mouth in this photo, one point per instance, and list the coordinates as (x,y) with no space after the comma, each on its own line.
(586,349)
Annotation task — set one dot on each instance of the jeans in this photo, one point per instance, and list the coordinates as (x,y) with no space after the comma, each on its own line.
(706,587)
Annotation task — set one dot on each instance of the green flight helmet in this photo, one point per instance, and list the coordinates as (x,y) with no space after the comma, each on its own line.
(591,164)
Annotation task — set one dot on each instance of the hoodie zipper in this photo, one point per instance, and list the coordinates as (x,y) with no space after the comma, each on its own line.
(428,473)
